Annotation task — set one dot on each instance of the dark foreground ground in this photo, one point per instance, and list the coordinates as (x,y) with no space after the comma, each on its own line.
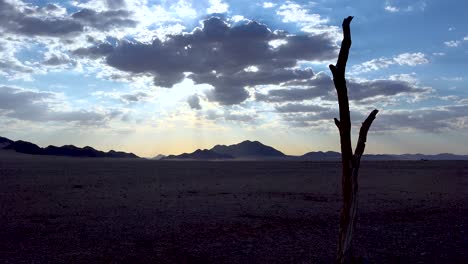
(71,210)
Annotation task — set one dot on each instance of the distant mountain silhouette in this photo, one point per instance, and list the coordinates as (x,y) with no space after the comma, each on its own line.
(25,147)
(4,142)
(67,150)
(255,150)
(252,150)
(200,154)
(329,155)
(248,149)
(158,157)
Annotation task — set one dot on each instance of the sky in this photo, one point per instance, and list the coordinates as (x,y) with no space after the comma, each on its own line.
(165,77)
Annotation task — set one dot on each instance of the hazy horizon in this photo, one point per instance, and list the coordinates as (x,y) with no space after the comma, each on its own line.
(168,77)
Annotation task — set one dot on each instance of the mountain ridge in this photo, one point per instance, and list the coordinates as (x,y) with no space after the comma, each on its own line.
(26,147)
(245,150)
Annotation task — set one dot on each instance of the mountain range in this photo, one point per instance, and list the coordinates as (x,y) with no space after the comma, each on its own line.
(66,150)
(254,150)
(246,150)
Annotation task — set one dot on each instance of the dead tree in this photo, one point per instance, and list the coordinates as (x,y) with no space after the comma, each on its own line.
(350,162)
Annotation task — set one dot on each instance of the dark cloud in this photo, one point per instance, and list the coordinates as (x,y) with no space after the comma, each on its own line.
(291,94)
(437,119)
(115,4)
(133,98)
(298,108)
(368,89)
(22,22)
(223,56)
(44,21)
(104,20)
(36,106)
(434,120)
(95,51)
(56,60)
(194,102)
(321,86)
(230,116)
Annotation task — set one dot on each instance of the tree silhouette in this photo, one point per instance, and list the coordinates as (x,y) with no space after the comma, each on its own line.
(350,162)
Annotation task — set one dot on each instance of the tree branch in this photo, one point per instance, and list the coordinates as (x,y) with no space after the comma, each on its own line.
(345,45)
(361,144)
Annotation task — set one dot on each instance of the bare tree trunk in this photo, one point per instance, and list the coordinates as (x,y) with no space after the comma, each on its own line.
(350,162)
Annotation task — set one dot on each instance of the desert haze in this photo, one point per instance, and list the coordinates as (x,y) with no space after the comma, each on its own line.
(104,210)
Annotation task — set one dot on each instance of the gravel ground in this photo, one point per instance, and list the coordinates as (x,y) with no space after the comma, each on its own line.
(84,210)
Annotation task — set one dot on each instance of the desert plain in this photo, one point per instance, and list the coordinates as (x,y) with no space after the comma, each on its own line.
(103,210)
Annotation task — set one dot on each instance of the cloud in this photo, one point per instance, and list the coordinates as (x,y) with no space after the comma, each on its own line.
(133,98)
(404,59)
(391,9)
(359,90)
(292,12)
(95,51)
(290,94)
(194,102)
(127,98)
(231,116)
(217,6)
(39,106)
(57,59)
(452,43)
(104,20)
(435,119)
(268,4)
(17,21)
(219,54)
(52,20)
(115,4)
(416,6)
(300,108)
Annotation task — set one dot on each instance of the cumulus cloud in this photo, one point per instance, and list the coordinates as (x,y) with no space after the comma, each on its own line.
(95,51)
(231,116)
(407,59)
(452,43)
(115,4)
(290,94)
(435,119)
(292,12)
(124,97)
(33,105)
(52,20)
(217,6)
(57,59)
(104,20)
(359,90)
(133,98)
(194,102)
(220,55)
(268,4)
(391,9)
(14,20)
(300,108)
(415,6)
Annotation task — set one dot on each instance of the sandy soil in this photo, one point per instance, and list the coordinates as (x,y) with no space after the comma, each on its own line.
(80,210)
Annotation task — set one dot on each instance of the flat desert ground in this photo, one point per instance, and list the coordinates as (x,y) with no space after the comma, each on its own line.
(85,210)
